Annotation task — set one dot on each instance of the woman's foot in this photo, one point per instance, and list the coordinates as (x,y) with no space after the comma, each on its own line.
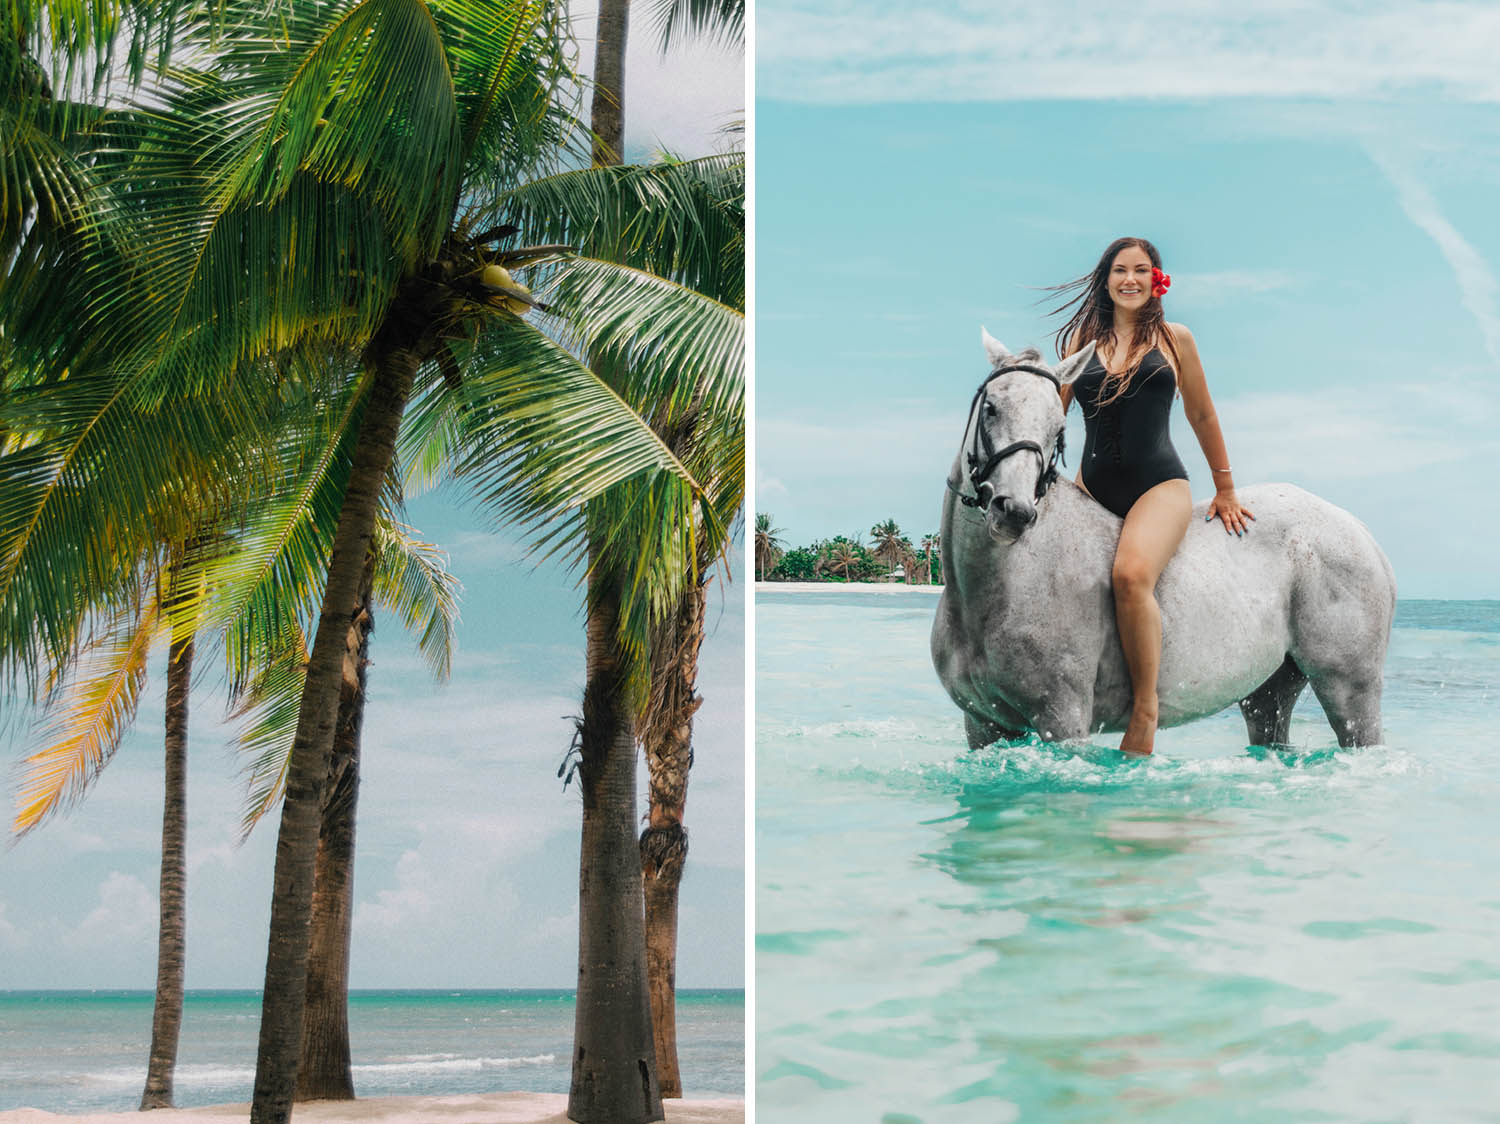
(1140,735)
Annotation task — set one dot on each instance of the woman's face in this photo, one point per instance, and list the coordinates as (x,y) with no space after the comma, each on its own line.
(1130,279)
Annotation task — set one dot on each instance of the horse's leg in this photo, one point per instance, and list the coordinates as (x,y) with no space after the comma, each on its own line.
(1268,708)
(1351,700)
(982,732)
(1154,527)
(1064,719)
(1340,628)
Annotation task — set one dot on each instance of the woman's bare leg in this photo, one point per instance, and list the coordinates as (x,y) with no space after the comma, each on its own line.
(1153,529)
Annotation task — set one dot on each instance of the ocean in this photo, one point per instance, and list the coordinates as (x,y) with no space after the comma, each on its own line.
(71,1051)
(1061,935)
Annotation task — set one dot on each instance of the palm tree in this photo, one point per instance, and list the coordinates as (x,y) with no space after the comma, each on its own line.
(842,557)
(91,711)
(930,549)
(610,1004)
(362,137)
(768,546)
(891,546)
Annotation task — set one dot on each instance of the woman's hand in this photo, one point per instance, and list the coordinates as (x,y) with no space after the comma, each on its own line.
(1229,509)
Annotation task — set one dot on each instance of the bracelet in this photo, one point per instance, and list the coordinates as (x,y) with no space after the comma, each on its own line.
(1226,468)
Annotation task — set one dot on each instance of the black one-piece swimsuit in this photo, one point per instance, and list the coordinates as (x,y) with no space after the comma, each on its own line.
(1127,449)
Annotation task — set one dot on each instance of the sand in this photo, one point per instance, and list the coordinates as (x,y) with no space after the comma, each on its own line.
(491,1108)
(844,587)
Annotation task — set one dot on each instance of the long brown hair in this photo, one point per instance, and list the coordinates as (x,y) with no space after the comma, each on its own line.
(1094,318)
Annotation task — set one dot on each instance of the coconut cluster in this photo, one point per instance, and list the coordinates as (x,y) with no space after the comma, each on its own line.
(509,290)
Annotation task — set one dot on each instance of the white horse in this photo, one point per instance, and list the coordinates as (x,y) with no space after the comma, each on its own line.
(1025,636)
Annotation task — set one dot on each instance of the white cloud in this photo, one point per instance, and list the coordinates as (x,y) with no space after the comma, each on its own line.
(845,51)
(10,936)
(127,912)
(1476,281)
(1337,433)
(1228,284)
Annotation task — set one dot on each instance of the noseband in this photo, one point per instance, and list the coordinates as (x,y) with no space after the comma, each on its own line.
(982,456)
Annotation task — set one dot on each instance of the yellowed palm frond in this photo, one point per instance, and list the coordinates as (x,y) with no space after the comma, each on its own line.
(87,719)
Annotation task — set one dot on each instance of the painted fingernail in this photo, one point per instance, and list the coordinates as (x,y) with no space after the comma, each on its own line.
(1206,518)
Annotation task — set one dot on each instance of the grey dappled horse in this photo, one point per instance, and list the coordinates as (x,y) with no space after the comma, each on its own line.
(1025,634)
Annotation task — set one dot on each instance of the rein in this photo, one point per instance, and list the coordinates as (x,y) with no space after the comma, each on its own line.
(982,456)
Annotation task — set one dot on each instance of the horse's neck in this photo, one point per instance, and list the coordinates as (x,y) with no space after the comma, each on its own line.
(1000,571)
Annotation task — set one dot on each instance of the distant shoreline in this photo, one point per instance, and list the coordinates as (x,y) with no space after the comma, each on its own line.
(844,587)
(488,1108)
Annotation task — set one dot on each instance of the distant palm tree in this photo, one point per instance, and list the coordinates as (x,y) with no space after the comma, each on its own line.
(768,547)
(930,547)
(842,557)
(891,546)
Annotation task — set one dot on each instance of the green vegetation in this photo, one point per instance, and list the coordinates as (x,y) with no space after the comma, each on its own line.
(890,557)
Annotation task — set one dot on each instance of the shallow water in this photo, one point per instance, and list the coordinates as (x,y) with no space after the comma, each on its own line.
(1062,935)
(72,1051)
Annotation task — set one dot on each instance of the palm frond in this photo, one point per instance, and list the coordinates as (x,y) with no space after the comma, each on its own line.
(87,718)
(544,433)
(413,580)
(717,21)
(682,220)
(267,710)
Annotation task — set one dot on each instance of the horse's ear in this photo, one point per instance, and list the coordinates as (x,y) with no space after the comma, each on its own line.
(993,348)
(1071,367)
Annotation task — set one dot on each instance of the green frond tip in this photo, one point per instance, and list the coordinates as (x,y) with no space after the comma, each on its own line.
(412,579)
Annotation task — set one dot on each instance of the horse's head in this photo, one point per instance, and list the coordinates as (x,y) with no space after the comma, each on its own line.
(1013,441)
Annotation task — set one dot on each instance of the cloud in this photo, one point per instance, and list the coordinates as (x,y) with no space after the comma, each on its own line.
(856,52)
(1228,284)
(127,912)
(1477,287)
(10,936)
(1336,433)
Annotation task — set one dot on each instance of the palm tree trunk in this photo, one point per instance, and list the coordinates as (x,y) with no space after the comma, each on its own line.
(664,843)
(614,1062)
(607,112)
(394,365)
(325,1071)
(171,941)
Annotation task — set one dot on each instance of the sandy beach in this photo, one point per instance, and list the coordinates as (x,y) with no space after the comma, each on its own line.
(844,587)
(491,1108)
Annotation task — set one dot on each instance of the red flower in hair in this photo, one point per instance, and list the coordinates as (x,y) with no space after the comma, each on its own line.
(1160,282)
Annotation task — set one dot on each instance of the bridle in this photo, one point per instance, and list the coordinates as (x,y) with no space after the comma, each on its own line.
(982,456)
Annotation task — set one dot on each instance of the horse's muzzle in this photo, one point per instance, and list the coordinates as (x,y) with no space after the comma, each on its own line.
(1008,517)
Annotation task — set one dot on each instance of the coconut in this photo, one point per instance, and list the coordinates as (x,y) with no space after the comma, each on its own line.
(495,276)
(516,304)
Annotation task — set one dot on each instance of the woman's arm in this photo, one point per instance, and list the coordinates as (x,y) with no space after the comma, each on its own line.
(1199,408)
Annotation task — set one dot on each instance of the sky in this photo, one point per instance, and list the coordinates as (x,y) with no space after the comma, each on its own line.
(467,843)
(1319,179)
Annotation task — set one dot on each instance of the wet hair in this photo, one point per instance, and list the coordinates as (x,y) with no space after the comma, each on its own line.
(1094,317)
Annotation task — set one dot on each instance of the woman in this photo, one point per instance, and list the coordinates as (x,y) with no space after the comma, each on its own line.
(1126,391)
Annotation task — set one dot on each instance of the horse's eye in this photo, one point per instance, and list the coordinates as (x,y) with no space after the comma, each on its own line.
(990,411)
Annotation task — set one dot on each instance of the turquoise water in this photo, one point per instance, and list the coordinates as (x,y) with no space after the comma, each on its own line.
(86,1051)
(1039,934)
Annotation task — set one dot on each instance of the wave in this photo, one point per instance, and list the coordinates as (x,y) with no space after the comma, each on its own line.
(1040,766)
(201,1074)
(410,1066)
(449,1063)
